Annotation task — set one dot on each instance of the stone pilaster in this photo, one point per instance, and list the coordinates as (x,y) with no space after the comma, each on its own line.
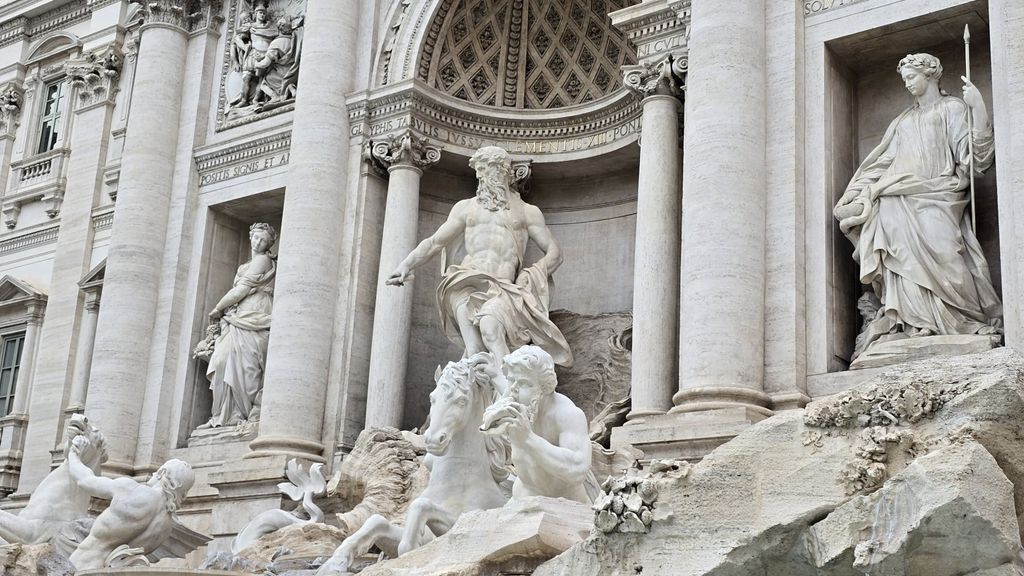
(723,274)
(83,355)
(295,383)
(659,211)
(404,158)
(94,80)
(125,323)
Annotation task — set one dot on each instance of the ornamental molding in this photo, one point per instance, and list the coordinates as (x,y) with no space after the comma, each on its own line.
(460,127)
(236,160)
(666,77)
(47,235)
(656,28)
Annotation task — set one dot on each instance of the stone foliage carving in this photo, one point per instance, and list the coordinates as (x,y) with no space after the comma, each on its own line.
(59,503)
(467,468)
(906,213)
(240,334)
(263,56)
(491,301)
(548,434)
(96,75)
(11,98)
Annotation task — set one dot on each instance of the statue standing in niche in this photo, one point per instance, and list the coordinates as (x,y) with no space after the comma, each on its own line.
(239,350)
(906,212)
(490,301)
(266,54)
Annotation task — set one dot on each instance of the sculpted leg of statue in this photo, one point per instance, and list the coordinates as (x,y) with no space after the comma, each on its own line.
(491,301)
(906,212)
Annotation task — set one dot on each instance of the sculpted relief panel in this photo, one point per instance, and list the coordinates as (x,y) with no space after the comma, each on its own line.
(261,61)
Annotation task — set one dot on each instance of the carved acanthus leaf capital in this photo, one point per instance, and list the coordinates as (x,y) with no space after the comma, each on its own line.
(405,149)
(11,97)
(666,77)
(185,14)
(95,75)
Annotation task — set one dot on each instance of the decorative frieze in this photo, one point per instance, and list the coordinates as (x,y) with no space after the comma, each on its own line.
(242,159)
(455,126)
(95,76)
(656,28)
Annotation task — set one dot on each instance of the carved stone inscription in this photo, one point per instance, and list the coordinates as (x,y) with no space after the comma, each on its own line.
(815,6)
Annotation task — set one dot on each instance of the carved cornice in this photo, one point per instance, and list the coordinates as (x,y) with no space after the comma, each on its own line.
(14,30)
(462,128)
(59,17)
(256,155)
(656,28)
(403,149)
(666,77)
(11,97)
(95,75)
(41,237)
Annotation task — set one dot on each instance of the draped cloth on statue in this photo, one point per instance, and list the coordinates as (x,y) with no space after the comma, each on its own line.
(521,307)
(236,366)
(914,243)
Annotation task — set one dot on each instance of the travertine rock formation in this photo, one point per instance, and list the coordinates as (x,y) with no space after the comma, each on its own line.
(946,435)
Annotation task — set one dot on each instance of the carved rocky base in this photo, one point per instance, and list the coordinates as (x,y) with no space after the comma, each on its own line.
(152,571)
(532,531)
(907,349)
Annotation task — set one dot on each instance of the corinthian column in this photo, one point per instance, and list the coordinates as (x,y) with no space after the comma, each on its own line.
(656,253)
(404,158)
(723,273)
(295,382)
(125,322)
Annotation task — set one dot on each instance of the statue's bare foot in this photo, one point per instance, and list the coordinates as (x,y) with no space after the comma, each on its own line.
(209,424)
(922,333)
(988,331)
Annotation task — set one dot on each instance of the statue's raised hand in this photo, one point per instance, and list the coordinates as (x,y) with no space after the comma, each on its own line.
(79,444)
(971,95)
(399,277)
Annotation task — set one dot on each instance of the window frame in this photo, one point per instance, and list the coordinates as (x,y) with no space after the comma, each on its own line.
(56,119)
(17,332)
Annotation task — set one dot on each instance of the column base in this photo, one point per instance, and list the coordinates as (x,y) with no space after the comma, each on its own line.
(286,446)
(640,415)
(686,435)
(719,397)
(12,443)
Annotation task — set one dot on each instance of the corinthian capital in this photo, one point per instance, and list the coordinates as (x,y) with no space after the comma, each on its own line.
(666,76)
(95,75)
(405,149)
(185,14)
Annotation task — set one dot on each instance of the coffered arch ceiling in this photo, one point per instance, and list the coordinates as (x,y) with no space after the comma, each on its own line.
(526,54)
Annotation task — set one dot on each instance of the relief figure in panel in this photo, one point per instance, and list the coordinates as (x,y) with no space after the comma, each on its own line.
(492,301)
(907,212)
(236,347)
(265,53)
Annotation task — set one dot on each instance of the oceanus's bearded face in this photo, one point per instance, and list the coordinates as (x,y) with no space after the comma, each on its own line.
(493,190)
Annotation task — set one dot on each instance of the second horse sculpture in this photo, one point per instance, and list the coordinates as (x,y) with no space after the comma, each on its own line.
(467,468)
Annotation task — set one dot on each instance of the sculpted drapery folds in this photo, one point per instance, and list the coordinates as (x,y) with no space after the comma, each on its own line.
(236,346)
(491,301)
(906,212)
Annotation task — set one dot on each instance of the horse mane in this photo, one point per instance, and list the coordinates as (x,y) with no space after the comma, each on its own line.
(459,375)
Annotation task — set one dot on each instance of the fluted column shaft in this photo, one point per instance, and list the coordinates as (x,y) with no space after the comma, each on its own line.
(656,258)
(126,321)
(298,359)
(723,264)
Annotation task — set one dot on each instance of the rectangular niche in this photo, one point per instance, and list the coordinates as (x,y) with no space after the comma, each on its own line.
(863,95)
(225,248)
